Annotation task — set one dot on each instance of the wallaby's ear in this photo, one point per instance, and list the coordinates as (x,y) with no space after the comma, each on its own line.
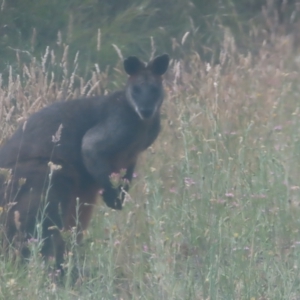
(159,64)
(133,65)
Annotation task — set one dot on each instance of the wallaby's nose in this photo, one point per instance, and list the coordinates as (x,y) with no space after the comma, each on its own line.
(146,112)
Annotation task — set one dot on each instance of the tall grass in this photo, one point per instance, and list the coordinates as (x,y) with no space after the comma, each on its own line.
(213,212)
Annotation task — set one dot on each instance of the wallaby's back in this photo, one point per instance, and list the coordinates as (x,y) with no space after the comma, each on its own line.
(55,133)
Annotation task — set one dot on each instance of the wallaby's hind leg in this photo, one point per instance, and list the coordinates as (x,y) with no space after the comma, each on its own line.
(38,201)
(59,197)
(54,245)
(22,225)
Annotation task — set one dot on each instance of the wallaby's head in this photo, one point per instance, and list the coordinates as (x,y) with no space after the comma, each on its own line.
(144,89)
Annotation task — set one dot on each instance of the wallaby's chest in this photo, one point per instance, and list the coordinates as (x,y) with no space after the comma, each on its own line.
(144,136)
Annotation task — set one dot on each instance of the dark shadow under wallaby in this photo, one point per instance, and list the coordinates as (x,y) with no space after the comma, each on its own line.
(65,153)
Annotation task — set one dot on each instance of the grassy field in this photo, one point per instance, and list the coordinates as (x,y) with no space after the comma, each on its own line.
(213,212)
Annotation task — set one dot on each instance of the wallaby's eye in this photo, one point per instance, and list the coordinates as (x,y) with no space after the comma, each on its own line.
(136,90)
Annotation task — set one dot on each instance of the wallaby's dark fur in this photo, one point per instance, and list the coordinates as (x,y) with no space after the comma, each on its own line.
(89,139)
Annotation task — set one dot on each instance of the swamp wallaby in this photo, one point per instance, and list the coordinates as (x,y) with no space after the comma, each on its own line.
(64,154)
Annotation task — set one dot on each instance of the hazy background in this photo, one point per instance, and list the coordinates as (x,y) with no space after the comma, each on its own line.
(92,26)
